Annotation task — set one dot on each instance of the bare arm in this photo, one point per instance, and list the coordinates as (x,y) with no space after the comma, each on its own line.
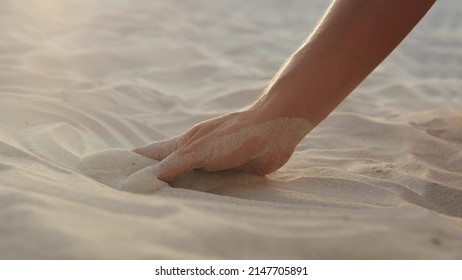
(352,38)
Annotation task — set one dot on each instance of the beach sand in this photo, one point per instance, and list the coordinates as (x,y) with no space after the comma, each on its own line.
(83,82)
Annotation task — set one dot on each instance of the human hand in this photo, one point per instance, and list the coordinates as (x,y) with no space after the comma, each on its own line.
(241,141)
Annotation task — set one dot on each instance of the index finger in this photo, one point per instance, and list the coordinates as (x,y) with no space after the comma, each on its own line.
(160,149)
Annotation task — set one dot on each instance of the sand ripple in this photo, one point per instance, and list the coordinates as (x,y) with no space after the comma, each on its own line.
(83,82)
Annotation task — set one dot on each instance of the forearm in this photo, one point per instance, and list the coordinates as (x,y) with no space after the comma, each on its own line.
(352,38)
(350,41)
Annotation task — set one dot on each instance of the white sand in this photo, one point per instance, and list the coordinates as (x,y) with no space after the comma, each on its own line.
(380,178)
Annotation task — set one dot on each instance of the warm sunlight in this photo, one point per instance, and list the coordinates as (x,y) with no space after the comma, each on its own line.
(231,129)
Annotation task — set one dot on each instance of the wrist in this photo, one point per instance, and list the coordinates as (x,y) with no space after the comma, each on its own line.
(305,91)
(286,102)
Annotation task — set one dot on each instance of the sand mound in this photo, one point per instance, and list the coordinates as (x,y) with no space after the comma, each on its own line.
(84,82)
(122,170)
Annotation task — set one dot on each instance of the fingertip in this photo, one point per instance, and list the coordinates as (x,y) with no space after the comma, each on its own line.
(172,167)
(164,177)
(161,172)
(157,150)
(166,174)
(138,150)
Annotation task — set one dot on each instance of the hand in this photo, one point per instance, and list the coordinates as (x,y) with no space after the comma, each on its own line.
(241,141)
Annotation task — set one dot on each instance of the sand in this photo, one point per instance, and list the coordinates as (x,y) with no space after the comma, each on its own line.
(83,82)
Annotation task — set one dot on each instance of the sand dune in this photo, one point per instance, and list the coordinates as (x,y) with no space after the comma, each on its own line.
(83,82)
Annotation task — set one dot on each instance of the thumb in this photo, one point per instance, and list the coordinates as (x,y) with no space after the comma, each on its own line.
(174,166)
(160,149)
